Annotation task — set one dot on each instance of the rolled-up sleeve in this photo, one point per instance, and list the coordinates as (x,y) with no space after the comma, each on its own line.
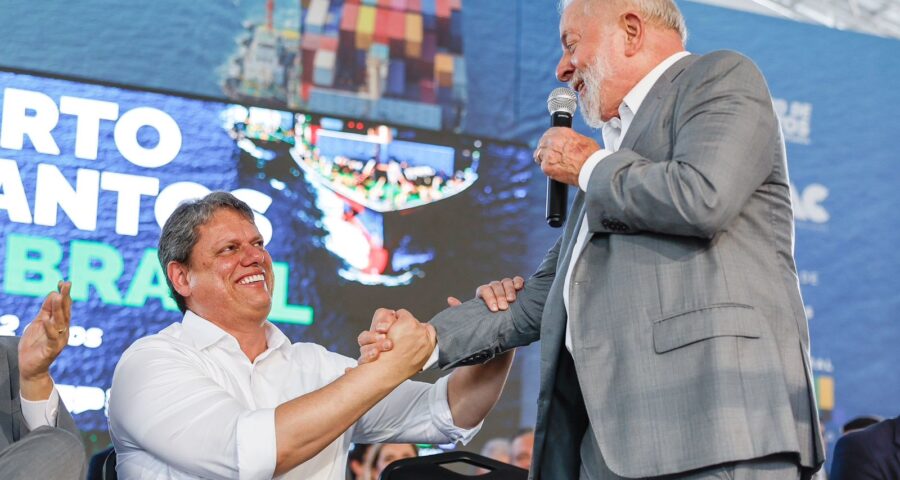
(414,412)
(162,403)
(256,447)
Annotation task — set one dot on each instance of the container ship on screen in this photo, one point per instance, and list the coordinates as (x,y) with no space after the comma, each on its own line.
(386,60)
(378,187)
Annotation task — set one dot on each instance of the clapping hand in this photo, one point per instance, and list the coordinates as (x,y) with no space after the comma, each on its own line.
(42,341)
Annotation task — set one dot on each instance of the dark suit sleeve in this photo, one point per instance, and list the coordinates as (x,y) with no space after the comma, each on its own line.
(853,459)
(470,333)
(724,130)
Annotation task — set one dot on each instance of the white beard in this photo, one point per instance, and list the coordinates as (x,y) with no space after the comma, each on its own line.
(590,100)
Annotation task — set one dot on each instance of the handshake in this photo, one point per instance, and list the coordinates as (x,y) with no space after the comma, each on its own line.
(397,337)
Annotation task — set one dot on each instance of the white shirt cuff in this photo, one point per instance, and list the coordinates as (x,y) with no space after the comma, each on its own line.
(432,360)
(256,449)
(41,413)
(584,176)
(439,407)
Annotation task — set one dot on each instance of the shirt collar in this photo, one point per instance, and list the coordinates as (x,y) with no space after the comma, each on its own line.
(638,93)
(204,334)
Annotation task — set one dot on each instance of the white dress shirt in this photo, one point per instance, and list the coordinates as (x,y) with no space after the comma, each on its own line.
(613,132)
(40,413)
(187,403)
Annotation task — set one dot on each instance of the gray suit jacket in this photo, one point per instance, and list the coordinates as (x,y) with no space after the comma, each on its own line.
(690,342)
(12,423)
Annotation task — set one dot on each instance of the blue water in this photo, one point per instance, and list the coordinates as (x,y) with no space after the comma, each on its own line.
(170,44)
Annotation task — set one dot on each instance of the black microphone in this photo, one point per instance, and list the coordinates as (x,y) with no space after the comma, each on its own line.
(561,103)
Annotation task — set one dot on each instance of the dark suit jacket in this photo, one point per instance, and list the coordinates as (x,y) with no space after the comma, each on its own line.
(870,454)
(12,423)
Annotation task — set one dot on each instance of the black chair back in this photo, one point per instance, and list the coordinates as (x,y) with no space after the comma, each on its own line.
(431,467)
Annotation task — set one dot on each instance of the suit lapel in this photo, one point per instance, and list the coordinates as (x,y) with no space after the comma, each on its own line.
(650,104)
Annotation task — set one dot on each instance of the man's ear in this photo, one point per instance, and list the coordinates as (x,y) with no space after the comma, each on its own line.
(633,25)
(179,275)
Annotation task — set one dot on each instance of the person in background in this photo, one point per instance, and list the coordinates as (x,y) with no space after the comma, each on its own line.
(522,445)
(859,423)
(381,455)
(356,461)
(869,454)
(38,438)
(496,449)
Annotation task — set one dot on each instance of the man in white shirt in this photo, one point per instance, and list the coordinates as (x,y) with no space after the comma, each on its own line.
(674,342)
(38,438)
(224,393)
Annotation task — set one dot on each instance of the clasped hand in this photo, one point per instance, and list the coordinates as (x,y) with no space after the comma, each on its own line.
(561,152)
(410,342)
(381,337)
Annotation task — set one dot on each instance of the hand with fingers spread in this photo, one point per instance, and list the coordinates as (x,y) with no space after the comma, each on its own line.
(497,295)
(42,342)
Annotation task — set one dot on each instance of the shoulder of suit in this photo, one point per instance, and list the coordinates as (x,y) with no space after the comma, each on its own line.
(719,64)
(720,60)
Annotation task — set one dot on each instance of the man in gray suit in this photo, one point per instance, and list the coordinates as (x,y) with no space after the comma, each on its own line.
(674,342)
(38,438)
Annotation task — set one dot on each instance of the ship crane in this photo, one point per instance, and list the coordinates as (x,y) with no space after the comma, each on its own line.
(270,13)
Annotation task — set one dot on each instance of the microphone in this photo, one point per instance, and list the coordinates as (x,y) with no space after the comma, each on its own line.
(561,103)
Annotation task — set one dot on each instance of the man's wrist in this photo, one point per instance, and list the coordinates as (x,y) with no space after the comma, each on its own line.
(433,359)
(36,387)
(41,413)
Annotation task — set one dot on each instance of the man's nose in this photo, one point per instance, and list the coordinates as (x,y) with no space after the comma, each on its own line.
(253,255)
(564,69)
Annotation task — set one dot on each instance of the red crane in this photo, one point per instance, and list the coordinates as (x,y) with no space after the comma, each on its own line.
(270,13)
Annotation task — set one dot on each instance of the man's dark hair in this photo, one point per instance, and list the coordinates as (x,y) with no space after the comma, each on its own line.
(179,234)
(860,423)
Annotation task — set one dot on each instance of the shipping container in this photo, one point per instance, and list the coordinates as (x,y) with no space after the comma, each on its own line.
(324,68)
(396,81)
(382,25)
(349,17)
(443,70)
(442,8)
(413,35)
(365,27)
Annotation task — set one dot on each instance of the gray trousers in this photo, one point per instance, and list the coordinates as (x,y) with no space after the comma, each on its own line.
(45,453)
(772,467)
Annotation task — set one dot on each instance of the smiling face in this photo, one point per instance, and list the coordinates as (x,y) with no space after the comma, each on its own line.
(590,62)
(229,277)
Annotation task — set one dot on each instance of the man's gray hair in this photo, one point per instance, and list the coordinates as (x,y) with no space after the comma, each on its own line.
(179,234)
(662,12)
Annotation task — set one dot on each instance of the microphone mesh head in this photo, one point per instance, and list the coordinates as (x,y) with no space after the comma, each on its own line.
(562,99)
